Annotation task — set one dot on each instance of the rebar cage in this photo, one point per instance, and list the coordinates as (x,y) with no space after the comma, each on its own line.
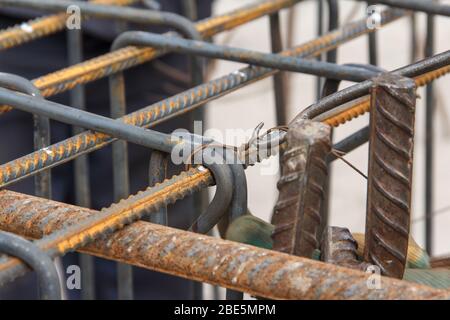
(296,256)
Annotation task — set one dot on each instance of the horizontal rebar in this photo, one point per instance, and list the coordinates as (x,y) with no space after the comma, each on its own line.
(128,57)
(347,112)
(416,5)
(62,228)
(440,262)
(77,117)
(110,219)
(90,141)
(43,26)
(229,264)
(275,61)
(361,89)
(136,15)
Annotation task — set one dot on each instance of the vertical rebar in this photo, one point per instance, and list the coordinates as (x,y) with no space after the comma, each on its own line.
(340,248)
(157,172)
(41,136)
(296,215)
(373,48)
(190,11)
(429,142)
(330,86)
(413,37)
(393,100)
(279,82)
(121,179)
(372,39)
(291,32)
(319,33)
(42,180)
(81,163)
(333,23)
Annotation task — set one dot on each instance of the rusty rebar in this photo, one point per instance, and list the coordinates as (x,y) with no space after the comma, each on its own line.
(20,248)
(416,5)
(279,79)
(340,248)
(90,141)
(119,60)
(135,207)
(267,274)
(359,90)
(393,100)
(43,26)
(111,219)
(354,109)
(232,265)
(275,61)
(296,216)
(440,262)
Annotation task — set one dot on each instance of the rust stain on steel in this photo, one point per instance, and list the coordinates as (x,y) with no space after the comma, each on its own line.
(393,100)
(104,222)
(28,212)
(303,173)
(340,248)
(89,141)
(440,262)
(128,210)
(107,64)
(210,27)
(229,264)
(27,31)
(125,58)
(43,26)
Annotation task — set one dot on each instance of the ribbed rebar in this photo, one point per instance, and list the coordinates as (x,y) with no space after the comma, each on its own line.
(43,26)
(90,141)
(122,59)
(389,186)
(110,219)
(354,110)
(304,170)
(257,271)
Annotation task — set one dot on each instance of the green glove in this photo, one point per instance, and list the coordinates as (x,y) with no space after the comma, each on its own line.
(251,230)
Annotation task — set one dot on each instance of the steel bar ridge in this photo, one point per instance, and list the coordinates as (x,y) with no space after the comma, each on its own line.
(256,271)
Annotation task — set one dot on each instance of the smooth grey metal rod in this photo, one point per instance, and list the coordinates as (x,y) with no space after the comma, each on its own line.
(135,15)
(116,128)
(175,44)
(416,5)
(81,164)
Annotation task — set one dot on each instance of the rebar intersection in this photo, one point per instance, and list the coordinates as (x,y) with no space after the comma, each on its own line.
(117,232)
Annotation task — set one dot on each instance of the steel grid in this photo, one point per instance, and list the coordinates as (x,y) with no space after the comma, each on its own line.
(115,232)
